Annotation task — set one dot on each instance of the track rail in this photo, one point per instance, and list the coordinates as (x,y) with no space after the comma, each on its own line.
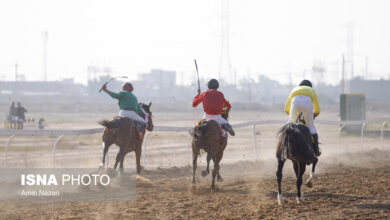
(61,133)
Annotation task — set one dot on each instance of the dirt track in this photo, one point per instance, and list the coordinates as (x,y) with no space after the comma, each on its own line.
(359,188)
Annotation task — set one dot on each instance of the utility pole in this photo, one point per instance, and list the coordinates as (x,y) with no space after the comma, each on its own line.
(350,52)
(366,69)
(16,77)
(44,63)
(181,79)
(343,75)
(225,66)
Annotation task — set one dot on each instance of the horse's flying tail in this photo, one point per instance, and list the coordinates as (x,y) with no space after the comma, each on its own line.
(110,124)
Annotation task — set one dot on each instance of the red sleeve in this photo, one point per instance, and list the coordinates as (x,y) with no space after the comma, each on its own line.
(197,99)
(227,104)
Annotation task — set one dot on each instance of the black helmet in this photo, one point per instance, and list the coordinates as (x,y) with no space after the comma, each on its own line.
(213,84)
(306,83)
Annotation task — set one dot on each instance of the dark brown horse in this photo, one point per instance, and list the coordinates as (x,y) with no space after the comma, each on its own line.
(295,143)
(207,136)
(122,131)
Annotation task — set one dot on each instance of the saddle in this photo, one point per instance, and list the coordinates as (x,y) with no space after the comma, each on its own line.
(140,128)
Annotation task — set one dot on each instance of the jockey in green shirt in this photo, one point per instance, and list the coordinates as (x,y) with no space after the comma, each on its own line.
(128,103)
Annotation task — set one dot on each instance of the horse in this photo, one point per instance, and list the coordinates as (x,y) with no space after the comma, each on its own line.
(122,131)
(207,137)
(295,143)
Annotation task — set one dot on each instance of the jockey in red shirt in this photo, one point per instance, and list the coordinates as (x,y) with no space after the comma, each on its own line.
(213,103)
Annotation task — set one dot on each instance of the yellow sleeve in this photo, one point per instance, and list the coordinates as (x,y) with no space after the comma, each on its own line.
(316,106)
(287,106)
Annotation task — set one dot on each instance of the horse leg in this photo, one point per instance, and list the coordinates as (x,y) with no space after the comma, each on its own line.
(301,171)
(279,176)
(219,178)
(121,162)
(309,182)
(207,171)
(118,156)
(138,151)
(105,150)
(195,154)
(296,170)
(215,171)
(194,165)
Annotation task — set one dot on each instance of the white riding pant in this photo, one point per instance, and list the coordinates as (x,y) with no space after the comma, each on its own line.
(304,104)
(132,115)
(217,118)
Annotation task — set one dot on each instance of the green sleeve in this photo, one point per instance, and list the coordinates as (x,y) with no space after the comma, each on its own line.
(116,95)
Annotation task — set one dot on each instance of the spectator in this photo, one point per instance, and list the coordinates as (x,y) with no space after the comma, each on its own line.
(20,110)
(12,117)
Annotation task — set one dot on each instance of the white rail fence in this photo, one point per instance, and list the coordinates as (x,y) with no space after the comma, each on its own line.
(62,133)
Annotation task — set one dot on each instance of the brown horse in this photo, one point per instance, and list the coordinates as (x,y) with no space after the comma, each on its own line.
(295,143)
(207,136)
(122,131)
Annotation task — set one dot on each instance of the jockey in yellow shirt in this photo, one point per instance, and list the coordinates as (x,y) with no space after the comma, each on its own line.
(304,99)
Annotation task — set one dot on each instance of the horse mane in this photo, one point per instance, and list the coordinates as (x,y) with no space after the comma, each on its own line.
(294,142)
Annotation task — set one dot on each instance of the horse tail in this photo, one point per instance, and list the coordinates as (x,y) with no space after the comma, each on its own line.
(282,142)
(110,124)
(293,145)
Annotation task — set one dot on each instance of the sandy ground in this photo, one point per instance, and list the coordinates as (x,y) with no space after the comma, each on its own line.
(353,190)
(352,178)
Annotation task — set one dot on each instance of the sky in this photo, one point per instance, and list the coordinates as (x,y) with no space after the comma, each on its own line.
(280,39)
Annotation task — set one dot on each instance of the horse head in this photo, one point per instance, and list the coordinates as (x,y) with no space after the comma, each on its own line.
(225,113)
(146,108)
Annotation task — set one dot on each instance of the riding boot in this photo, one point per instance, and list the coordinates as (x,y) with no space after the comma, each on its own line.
(317,151)
(140,126)
(229,129)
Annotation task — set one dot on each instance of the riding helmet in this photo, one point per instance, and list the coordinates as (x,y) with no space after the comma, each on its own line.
(213,84)
(127,86)
(306,83)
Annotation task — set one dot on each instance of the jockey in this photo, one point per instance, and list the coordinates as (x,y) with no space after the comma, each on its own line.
(304,99)
(213,102)
(128,103)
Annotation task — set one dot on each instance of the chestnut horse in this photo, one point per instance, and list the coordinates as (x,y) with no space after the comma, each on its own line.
(207,136)
(295,143)
(122,131)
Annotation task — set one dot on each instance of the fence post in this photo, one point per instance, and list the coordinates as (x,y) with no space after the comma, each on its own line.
(6,150)
(362,133)
(54,150)
(382,133)
(254,141)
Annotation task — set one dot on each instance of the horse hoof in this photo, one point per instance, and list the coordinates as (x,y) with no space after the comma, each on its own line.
(204,173)
(280,199)
(309,184)
(219,179)
(300,199)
